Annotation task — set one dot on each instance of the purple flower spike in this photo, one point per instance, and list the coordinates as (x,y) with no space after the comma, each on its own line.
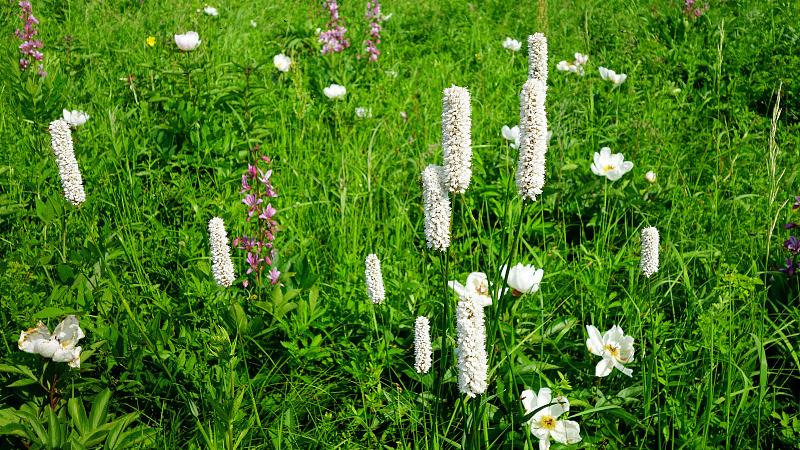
(29,47)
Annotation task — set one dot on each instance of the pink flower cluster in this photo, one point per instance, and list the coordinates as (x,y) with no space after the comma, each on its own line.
(691,10)
(257,190)
(373,16)
(333,39)
(30,47)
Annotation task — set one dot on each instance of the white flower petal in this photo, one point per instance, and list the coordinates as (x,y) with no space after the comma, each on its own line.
(604,367)
(595,341)
(566,432)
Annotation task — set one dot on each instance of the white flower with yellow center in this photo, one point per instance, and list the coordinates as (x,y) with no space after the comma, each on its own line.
(476,288)
(615,348)
(544,422)
(611,166)
(61,346)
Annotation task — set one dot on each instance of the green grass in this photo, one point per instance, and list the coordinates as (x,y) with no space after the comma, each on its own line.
(314,364)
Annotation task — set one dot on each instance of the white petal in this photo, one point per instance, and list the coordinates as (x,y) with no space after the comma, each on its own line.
(544,397)
(623,369)
(544,443)
(604,367)
(566,432)
(561,406)
(528,399)
(595,341)
(461,291)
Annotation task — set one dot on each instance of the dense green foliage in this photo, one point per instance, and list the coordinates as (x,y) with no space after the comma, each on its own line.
(174,361)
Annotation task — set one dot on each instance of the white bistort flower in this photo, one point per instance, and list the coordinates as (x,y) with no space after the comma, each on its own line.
(437,208)
(512,44)
(423,352)
(75,118)
(615,348)
(611,166)
(282,62)
(334,91)
(511,134)
(649,261)
(221,264)
(374,279)
(537,58)
(456,138)
(522,279)
(188,41)
(544,423)
(61,346)
(211,11)
(476,289)
(471,351)
(71,180)
(532,140)
(610,75)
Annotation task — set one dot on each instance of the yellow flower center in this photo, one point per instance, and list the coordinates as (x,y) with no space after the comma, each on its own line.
(608,168)
(613,350)
(548,422)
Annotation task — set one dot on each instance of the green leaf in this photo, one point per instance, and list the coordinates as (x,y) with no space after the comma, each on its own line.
(99,409)
(78,414)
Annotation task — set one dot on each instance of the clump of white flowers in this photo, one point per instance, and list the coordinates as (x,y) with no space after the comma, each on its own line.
(282,62)
(437,208)
(476,288)
(545,423)
(512,44)
(522,279)
(75,118)
(537,58)
(456,138)
(423,352)
(610,75)
(471,351)
(221,264)
(576,66)
(611,166)
(374,279)
(71,180)
(532,139)
(615,348)
(61,346)
(649,261)
(334,91)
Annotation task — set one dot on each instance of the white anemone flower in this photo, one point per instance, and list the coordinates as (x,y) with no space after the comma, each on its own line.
(544,423)
(476,288)
(511,134)
(282,62)
(334,91)
(188,41)
(61,346)
(512,44)
(610,75)
(611,166)
(75,118)
(581,59)
(211,11)
(522,279)
(615,348)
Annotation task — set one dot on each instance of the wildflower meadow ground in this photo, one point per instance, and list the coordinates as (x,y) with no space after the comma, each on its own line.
(399,225)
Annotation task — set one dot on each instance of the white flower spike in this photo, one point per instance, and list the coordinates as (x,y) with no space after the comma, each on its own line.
(456,138)
(544,423)
(71,180)
(374,279)
(611,166)
(649,261)
(423,352)
(472,362)
(437,208)
(221,264)
(533,140)
(523,279)
(615,348)
(476,289)
(537,58)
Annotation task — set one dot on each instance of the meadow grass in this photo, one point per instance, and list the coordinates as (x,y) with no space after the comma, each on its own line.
(178,362)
